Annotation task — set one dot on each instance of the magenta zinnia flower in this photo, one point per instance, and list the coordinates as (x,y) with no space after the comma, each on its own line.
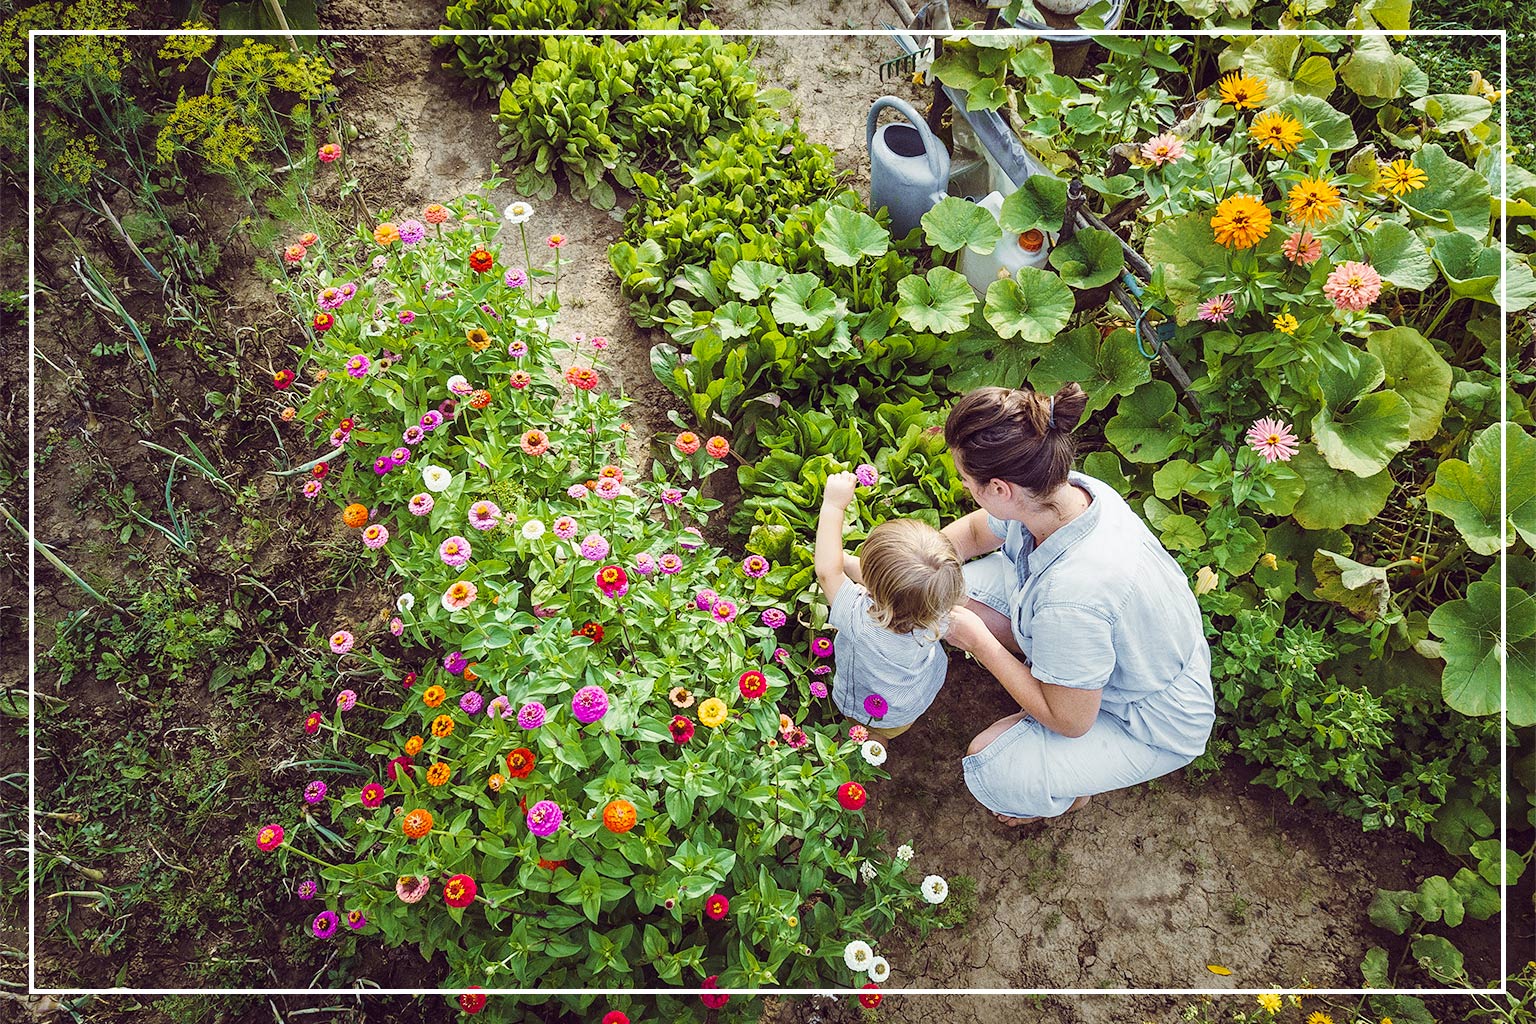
(531,715)
(773,618)
(671,496)
(1273,440)
(372,795)
(544,818)
(1217,310)
(455,662)
(412,231)
(269,837)
(324,924)
(308,888)
(755,566)
(357,367)
(818,688)
(589,704)
(455,551)
(670,564)
(725,610)
(1353,286)
(705,599)
(875,706)
(314,792)
(821,647)
(356,919)
(471,702)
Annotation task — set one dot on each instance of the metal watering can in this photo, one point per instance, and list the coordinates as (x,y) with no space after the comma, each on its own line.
(908,165)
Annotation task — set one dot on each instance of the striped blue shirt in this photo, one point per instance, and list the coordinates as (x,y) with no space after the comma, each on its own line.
(907,669)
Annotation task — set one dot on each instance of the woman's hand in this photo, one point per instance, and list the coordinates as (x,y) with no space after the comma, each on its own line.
(967,631)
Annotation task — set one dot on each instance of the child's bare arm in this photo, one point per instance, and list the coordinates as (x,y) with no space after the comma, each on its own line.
(830,569)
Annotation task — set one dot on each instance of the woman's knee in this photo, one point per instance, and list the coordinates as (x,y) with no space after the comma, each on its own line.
(992,732)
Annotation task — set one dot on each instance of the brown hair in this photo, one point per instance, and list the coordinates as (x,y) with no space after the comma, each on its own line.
(1016,435)
(912,573)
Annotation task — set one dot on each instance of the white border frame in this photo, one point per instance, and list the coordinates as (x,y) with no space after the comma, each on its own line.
(31,521)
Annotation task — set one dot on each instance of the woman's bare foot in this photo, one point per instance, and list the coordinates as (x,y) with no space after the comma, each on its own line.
(1016,822)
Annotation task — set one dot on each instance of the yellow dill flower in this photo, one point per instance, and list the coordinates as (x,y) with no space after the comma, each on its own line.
(1400,177)
(1242,91)
(186,49)
(1313,201)
(1285,323)
(1269,1002)
(1240,221)
(1275,131)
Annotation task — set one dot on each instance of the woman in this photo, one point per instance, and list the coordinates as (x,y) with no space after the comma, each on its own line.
(1115,681)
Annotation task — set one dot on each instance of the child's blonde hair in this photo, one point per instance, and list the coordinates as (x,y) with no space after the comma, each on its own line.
(912,574)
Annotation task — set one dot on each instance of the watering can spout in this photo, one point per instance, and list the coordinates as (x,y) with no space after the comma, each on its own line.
(908,165)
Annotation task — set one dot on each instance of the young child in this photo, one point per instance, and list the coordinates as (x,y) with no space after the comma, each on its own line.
(889,608)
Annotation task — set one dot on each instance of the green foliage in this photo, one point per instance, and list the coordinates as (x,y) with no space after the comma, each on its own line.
(603,112)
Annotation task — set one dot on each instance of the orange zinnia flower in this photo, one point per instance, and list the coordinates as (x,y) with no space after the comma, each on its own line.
(619,816)
(417,823)
(434,696)
(1313,201)
(442,726)
(354,515)
(438,774)
(1240,222)
(413,745)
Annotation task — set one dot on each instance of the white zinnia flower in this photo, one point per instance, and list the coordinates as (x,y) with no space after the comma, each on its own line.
(935,889)
(460,385)
(904,853)
(518,213)
(405,602)
(436,478)
(858,954)
(879,969)
(533,529)
(867,872)
(873,751)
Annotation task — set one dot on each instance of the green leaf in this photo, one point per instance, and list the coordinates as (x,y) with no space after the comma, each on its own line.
(1387,910)
(1468,492)
(752,279)
(1334,498)
(955,224)
(1319,117)
(1372,70)
(1364,439)
(1455,197)
(1090,258)
(941,303)
(1374,968)
(1184,247)
(1360,589)
(1106,466)
(1439,957)
(1182,533)
(1453,112)
(1471,268)
(1438,900)
(1400,257)
(1494,861)
(1041,202)
(1402,1009)
(1033,304)
(802,300)
(1480,899)
(1414,370)
(1473,650)
(1145,427)
(1105,367)
(1459,823)
(847,236)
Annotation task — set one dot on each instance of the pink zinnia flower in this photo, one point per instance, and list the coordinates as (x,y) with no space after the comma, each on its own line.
(459,595)
(671,496)
(455,551)
(357,367)
(312,488)
(269,837)
(411,888)
(1217,310)
(328,152)
(484,515)
(341,641)
(1302,248)
(346,700)
(755,566)
(725,611)
(421,504)
(608,488)
(1272,439)
(565,528)
(858,733)
(1353,286)
(375,536)
(1163,149)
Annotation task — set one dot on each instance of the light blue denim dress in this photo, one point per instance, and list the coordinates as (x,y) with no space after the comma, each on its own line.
(1099,606)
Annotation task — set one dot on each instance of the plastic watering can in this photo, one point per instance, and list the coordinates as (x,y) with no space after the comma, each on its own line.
(908,165)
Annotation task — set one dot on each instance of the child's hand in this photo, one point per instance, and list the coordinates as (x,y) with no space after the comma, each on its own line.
(839,492)
(966,630)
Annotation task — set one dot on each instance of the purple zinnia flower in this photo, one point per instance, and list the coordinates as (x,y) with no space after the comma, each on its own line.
(780,655)
(725,611)
(383,464)
(455,551)
(314,792)
(644,563)
(357,367)
(576,492)
(821,647)
(818,688)
(756,566)
(821,670)
(356,919)
(544,818)
(867,475)
(421,504)
(499,706)
(431,420)
(671,496)
(517,349)
(308,888)
(346,700)
(471,703)
(517,277)
(324,924)
(531,715)
(589,704)
(484,515)
(593,547)
(412,231)
(400,455)
(670,564)
(413,434)
(705,599)
(773,618)
(455,662)
(875,706)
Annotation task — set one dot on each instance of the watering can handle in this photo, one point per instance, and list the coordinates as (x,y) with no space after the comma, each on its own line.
(931,144)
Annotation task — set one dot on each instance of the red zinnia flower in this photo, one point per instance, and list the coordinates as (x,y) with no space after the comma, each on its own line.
(551,865)
(409,680)
(269,837)
(713,1002)
(323,322)
(321,468)
(615,1017)
(481,260)
(753,684)
(459,891)
(681,728)
(613,581)
(592,630)
(472,1002)
(870,1000)
(312,722)
(581,377)
(716,907)
(520,763)
(851,795)
(282,379)
(405,764)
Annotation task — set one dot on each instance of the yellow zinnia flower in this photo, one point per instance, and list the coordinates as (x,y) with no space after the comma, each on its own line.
(1242,91)
(1285,323)
(1240,221)
(1275,131)
(712,712)
(1269,1001)
(1401,177)
(1313,201)
(1319,1017)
